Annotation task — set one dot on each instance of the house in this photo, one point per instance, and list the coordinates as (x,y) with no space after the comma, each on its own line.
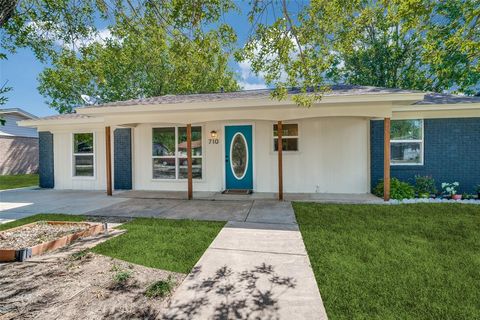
(245,140)
(18,145)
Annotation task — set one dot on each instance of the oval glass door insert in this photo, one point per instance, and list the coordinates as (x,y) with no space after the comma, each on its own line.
(239,156)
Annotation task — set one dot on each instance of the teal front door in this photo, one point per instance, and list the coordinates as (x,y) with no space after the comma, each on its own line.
(238,157)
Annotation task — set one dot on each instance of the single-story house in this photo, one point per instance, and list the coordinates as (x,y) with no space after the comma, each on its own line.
(246,140)
(18,145)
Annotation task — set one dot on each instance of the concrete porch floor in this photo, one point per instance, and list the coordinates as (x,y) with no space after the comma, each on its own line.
(309,197)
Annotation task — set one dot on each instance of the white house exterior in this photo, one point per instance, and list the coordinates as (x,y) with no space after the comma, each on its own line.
(327,147)
(18,145)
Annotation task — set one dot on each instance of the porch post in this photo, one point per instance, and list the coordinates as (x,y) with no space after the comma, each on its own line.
(108,157)
(280,160)
(189,161)
(386,159)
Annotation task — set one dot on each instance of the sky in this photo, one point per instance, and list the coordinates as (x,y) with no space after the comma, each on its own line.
(21,71)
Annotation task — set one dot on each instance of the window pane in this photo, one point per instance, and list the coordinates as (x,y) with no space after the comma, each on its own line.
(196,141)
(289,144)
(196,168)
(163,142)
(408,152)
(83,166)
(83,142)
(164,168)
(288,129)
(406,130)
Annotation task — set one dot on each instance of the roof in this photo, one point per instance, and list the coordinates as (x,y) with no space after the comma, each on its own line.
(442,98)
(65,116)
(335,90)
(19,111)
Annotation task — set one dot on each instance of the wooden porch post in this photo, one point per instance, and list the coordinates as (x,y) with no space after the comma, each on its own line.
(108,150)
(189,161)
(386,159)
(280,160)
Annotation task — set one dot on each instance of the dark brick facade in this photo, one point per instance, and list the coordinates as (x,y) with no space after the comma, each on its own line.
(451,153)
(46,165)
(122,159)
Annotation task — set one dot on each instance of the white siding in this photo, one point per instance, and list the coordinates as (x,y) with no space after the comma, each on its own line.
(12,129)
(333,158)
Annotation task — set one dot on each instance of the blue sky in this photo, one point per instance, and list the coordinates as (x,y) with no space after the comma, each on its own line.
(22,69)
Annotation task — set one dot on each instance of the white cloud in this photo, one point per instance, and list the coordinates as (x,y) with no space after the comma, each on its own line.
(251,86)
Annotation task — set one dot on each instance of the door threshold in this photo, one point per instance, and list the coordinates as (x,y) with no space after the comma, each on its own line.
(237,191)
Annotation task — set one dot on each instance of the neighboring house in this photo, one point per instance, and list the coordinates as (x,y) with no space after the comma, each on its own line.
(335,146)
(18,145)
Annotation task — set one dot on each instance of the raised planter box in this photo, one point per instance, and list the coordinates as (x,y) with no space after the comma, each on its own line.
(15,254)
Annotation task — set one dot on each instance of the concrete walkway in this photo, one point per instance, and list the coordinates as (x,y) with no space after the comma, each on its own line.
(252,270)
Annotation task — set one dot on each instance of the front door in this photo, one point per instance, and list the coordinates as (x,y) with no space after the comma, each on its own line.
(238,157)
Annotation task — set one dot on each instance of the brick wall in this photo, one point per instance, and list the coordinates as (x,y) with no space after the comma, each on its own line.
(122,159)
(45,168)
(452,153)
(18,155)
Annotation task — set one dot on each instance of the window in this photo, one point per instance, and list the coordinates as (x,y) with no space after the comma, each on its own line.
(169,153)
(83,155)
(406,142)
(289,137)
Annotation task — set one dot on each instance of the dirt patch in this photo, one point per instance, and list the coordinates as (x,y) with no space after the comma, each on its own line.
(80,285)
(36,233)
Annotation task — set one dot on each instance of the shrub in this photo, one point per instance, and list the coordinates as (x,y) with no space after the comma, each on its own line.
(160,288)
(121,277)
(425,185)
(450,189)
(398,190)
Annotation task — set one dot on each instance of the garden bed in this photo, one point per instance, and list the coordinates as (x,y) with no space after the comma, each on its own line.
(20,243)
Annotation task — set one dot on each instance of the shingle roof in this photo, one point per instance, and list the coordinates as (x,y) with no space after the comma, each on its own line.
(441,98)
(335,90)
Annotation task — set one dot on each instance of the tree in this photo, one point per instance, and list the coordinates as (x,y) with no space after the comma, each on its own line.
(3,90)
(149,49)
(414,44)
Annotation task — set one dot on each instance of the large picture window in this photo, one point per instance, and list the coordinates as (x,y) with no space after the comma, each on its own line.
(406,142)
(169,153)
(83,155)
(289,137)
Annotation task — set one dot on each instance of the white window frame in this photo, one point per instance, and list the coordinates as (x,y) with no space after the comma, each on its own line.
(72,139)
(420,141)
(286,137)
(176,155)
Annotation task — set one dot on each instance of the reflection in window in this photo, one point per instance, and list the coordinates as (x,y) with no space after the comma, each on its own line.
(169,153)
(239,156)
(83,155)
(289,137)
(406,142)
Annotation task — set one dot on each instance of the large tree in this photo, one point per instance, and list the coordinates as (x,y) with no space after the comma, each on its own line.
(148,48)
(411,44)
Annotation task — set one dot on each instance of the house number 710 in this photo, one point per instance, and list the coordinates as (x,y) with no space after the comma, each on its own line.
(212,141)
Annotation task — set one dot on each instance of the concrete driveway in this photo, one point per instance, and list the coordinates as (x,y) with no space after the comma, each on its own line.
(19,203)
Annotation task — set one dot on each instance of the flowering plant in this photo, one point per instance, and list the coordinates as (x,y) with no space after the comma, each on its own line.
(450,188)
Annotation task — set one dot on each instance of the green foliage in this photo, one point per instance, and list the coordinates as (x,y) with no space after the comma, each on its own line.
(160,288)
(79,255)
(477,188)
(409,44)
(425,185)
(398,190)
(415,261)
(121,277)
(147,49)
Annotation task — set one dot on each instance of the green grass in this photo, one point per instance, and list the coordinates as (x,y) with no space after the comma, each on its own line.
(18,181)
(41,217)
(174,245)
(395,262)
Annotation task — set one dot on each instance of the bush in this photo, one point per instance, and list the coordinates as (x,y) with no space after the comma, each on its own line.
(160,288)
(398,190)
(425,185)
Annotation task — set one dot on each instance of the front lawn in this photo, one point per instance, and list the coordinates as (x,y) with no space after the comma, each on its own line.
(174,245)
(417,261)
(18,181)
